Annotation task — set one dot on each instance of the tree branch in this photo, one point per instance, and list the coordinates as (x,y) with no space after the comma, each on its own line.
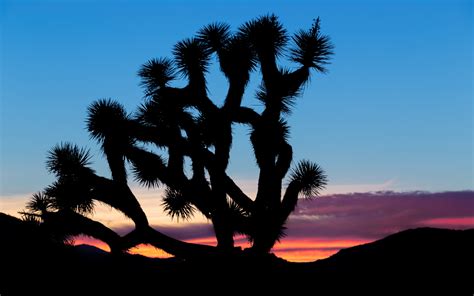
(115,159)
(284,159)
(168,244)
(290,199)
(295,80)
(238,195)
(71,223)
(151,164)
(120,197)
(245,115)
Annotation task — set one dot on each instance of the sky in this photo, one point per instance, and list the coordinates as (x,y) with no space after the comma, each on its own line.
(320,227)
(394,112)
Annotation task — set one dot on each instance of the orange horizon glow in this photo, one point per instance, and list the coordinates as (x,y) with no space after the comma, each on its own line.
(318,228)
(294,250)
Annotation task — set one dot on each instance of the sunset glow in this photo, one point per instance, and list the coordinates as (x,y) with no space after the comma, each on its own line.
(448,222)
(311,146)
(321,227)
(149,251)
(291,250)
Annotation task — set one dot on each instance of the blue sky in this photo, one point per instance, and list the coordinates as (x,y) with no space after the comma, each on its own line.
(396,105)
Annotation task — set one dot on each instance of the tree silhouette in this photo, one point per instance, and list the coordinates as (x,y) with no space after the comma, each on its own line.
(186,123)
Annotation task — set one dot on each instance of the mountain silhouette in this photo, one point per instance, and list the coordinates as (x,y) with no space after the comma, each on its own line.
(90,250)
(426,261)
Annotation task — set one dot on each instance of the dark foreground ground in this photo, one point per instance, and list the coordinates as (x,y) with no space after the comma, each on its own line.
(423,261)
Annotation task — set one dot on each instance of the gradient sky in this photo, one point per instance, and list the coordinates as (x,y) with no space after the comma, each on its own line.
(320,227)
(394,112)
(396,104)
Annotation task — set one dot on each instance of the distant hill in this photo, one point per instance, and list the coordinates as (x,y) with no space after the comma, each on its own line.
(89,250)
(430,261)
(423,261)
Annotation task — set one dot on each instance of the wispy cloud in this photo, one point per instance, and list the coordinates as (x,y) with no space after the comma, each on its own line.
(390,184)
(374,215)
(322,226)
(363,215)
(318,227)
(150,199)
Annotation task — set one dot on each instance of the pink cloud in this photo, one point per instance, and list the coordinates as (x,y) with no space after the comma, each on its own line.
(370,215)
(374,215)
(320,227)
(449,222)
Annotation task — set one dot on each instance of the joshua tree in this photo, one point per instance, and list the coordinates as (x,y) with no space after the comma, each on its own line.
(186,123)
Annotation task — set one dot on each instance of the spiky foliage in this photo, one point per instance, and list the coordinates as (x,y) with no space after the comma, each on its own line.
(284,105)
(162,114)
(186,125)
(310,177)
(236,58)
(31,218)
(215,36)
(67,159)
(40,203)
(176,205)
(266,34)
(147,167)
(108,123)
(312,49)
(71,194)
(191,57)
(70,191)
(156,74)
(236,210)
(106,118)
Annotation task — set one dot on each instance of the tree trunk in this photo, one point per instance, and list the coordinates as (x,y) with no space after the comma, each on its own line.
(168,244)
(223,231)
(71,223)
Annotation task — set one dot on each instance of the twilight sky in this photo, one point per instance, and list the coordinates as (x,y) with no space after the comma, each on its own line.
(395,111)
(320,227)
